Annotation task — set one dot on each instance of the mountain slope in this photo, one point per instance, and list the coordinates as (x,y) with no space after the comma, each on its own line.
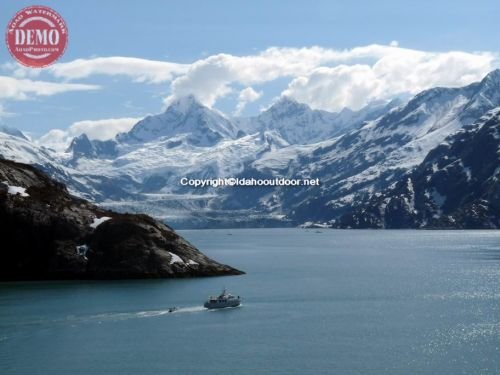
(456,186)
(375,156)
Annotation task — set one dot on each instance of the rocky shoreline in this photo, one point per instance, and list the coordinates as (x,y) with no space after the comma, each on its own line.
(48,234)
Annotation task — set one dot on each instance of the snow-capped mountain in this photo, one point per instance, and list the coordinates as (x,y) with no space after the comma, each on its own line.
(15,146)
(200,125)
(456,186)
(297,123)
(354,154)
(371,158)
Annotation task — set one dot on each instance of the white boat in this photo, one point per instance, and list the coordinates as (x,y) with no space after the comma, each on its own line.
(222,301)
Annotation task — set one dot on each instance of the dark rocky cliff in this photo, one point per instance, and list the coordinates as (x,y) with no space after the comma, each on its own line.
(46,233)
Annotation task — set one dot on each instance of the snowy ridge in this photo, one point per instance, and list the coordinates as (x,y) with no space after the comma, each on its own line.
(297,123)
(456,186)
(185,116)
(354,154)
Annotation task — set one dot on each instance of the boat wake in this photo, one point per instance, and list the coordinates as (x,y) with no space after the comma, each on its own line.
(153,313)
(146,314)
(74,320)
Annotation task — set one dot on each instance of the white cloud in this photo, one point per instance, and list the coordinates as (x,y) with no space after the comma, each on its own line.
(104,129)
(56,139)
(20,71)
(400,71)
(211,78)
(336,88)
(20,89)
(323,77)
(140,70)
(247,95)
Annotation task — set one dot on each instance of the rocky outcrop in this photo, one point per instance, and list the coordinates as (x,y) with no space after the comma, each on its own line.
(46,233)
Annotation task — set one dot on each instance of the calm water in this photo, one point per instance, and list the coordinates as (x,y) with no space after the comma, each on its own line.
(335,302)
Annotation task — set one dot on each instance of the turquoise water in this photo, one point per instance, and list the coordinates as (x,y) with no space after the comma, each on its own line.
(333,302)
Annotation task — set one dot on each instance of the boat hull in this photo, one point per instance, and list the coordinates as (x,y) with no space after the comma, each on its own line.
(221,304)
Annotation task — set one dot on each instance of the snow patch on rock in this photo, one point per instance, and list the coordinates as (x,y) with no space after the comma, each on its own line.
(16,190)
(99,221)
(175,258)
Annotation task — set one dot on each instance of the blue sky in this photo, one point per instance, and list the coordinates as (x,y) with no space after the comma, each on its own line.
(190,31)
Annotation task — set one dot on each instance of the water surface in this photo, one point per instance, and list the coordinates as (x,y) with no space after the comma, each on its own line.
(315,302)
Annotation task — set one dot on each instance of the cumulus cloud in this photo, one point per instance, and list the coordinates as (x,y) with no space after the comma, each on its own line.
(140,70)
(335,88)
(56,139)
(400,71)
(20,89)
(247,95)
(104,129)
(330,79)
(211,78)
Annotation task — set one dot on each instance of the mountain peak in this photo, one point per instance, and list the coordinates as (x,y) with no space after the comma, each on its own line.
(185,117)
(486,96)
(490,84)
(184,104)
(287,106)
(494,76)
(287,100)
(81,146)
